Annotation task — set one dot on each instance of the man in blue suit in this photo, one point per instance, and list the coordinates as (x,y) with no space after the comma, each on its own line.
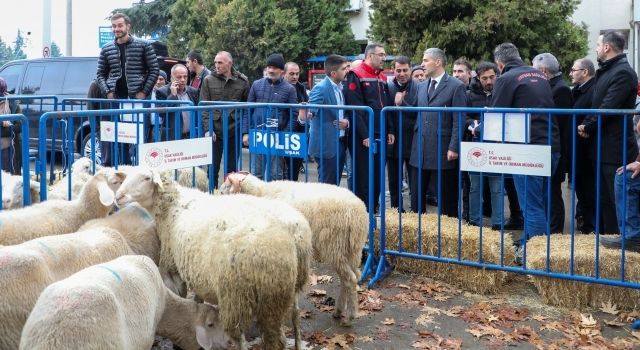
(328,135)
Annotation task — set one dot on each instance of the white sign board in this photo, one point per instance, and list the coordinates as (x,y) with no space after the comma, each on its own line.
(505,158)
(178,154)
(132,117)
(514,129)
(127,132)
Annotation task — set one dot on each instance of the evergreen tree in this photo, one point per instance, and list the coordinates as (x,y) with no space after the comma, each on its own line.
(473,28)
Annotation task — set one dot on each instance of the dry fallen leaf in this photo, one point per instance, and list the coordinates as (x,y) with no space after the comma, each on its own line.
(609,308)
(480,330)
(587,321)
(389,321)
(422,344)
(539,318)
(431,310)
(424,320)
(441,297)
(342,340)
(305,313)
(636,334)
(403,286)
(615,323)
(365,339)
(492,318)
(317,293)
(325,279)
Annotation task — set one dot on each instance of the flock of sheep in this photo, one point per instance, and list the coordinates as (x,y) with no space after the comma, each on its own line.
(79,274)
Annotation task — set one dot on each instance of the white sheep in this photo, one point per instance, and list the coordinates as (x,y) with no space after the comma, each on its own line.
(54,217)
(184,177)
(339,225)
(27,269)
(136,225)
(120,304)
(12,191)
(237,252)
(81,172)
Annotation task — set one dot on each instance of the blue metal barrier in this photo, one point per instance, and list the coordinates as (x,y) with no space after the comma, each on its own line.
(460,113)
(7,165)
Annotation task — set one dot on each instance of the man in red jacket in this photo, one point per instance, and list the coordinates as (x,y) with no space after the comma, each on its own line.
(366,85)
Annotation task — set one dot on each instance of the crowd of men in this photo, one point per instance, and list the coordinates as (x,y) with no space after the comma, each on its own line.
(424,144)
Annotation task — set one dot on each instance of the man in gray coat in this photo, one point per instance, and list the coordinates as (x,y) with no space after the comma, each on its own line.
(436,139)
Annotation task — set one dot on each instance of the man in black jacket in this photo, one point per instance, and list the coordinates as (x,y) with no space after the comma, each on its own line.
(582,73)
(615,88)
(550,67)
(127,68)
(404,91)
(521,86)
(479,96)
(292,75)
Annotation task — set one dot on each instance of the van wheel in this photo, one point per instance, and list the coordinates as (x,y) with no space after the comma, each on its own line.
(86,148)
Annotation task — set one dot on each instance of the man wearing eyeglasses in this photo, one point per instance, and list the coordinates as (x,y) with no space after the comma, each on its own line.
(366,85)
(582,73)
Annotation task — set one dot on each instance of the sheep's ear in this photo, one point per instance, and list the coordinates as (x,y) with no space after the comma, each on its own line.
(121,175)
(107,197)
(157,178)
(34,187)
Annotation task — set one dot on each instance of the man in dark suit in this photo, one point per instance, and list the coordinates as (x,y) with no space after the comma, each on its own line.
(550,67)
(615,87)
(582,73)
(404,92)
(173,128)
(328,135)
(436,142)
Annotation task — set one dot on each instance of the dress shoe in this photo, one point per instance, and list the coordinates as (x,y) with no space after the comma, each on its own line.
(514,223)
(631,243)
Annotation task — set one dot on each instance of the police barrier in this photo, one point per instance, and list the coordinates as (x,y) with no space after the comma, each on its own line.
(530,165)
(16,125)
(123,131)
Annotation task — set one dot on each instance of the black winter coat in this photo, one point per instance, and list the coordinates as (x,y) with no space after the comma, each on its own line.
(562,98)
(616,86)
(582,99)
(408,118)
(141,67)
(477,98)
(521,86)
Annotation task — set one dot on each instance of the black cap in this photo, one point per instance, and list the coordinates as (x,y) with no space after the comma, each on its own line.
(276,60)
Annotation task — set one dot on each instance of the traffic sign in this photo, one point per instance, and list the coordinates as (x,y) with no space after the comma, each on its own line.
(105,35)
(46,52)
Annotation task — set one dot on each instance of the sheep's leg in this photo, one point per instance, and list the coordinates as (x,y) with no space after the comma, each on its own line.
(347,300)
(295,320)
(272,336)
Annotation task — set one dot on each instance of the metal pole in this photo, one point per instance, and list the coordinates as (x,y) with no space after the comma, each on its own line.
(46,26)
(68,50)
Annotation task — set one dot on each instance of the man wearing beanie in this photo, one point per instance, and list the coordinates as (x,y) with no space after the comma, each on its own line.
(270,89)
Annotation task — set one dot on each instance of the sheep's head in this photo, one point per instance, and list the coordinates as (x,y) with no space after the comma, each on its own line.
(13,195)
(209,331)
(233,183)
(84,166)
(139,184)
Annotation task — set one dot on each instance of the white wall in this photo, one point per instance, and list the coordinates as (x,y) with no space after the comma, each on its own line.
(360,21)
(605,14)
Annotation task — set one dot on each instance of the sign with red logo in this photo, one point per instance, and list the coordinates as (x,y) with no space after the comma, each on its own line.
(176,154)
(127,132)
(505,158)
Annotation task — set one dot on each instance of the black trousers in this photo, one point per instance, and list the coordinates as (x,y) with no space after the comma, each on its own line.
(448,202)
(218,153)
(360,168)
(557,207)
(512,195)
(608,219)
(292,168)
(395,173)
(585,186)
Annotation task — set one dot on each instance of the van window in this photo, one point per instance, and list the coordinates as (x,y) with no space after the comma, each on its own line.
(79,76)
(44,78)
(11,75)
